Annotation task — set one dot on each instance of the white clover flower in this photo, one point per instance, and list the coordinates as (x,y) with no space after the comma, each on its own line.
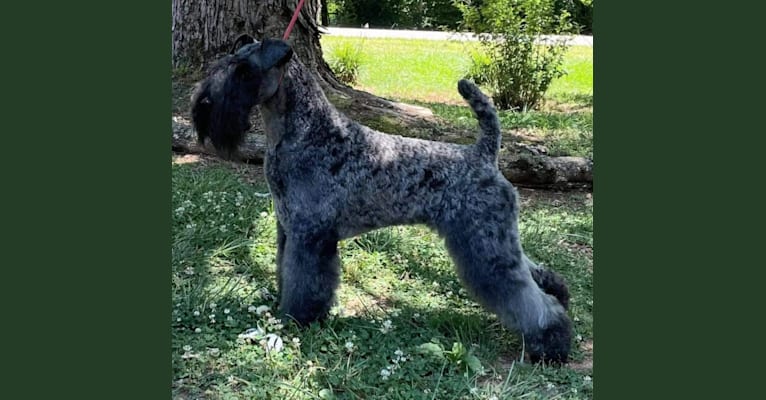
(274,343)
(416,315)
(187,348)
(196,313)
(385,373)
(251,309)
(587,379)
(349,346)
(262,309)
(226,310)
(398,353)
(189,271)
(264,214)
(550,386)
(212,306)
(493,397)
(178,319)
(387,326)
(198,330)
(296,342)
(211,316)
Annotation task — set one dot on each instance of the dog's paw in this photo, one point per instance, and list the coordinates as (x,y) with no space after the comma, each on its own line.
(552,344)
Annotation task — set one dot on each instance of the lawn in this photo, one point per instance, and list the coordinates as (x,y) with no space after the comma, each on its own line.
(404,328)
(425,72)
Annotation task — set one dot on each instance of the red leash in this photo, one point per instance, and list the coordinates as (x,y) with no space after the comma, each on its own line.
(290,29)
(292,21)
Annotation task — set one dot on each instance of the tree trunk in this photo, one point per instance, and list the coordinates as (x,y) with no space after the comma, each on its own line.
(203,30)
(325,13)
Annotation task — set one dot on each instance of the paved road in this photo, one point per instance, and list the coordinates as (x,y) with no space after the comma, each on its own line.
(578,40)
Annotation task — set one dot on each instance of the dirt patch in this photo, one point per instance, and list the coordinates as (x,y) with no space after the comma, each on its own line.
(586,365)
(556,198)
(579,248)
(357,305)
(250,173)
(186,158)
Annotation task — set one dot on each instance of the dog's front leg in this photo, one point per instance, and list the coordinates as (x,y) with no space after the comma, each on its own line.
(281,239)
(309,273)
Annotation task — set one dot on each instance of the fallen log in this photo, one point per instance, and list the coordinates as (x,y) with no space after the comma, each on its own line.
(522,164)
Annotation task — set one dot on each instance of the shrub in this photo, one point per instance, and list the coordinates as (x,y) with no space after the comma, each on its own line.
(480,67)
(344,60)
(521,68)
(581,12)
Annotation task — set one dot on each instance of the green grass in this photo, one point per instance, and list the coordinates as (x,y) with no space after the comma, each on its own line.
(426,72)
(400,309)
(408,69)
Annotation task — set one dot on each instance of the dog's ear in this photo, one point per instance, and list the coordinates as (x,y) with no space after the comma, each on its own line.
(275,53)
(242,40)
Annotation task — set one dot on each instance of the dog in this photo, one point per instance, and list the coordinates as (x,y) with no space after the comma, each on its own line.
(332,178)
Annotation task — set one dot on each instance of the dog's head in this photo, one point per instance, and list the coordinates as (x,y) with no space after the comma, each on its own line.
(248,76)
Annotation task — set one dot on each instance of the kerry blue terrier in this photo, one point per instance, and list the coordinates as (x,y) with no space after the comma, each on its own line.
(332,178)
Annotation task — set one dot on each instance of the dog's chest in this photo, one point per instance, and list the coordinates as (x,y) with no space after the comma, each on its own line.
(275,179)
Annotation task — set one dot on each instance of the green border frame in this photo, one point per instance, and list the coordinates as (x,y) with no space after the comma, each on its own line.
(671,276)
(87,148)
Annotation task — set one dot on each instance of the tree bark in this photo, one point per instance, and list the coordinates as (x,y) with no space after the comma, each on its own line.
(325,13)
(205,29)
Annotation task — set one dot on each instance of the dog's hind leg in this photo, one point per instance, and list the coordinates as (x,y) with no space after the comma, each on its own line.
(549,281)
(309,273)
(485,248)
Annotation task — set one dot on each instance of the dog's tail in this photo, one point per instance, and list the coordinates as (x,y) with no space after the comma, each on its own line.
(489,141)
